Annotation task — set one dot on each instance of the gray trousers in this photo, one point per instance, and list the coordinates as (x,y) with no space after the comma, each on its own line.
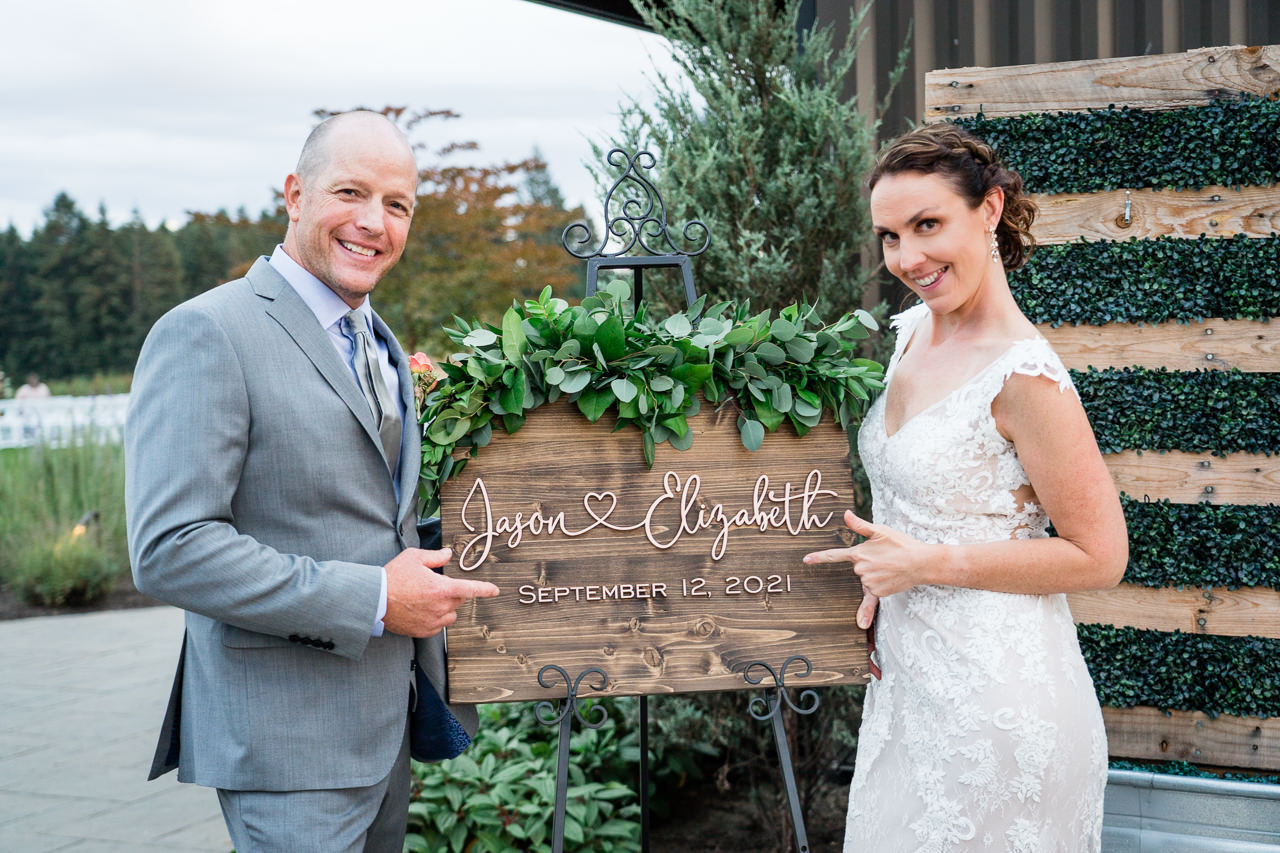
(341,820)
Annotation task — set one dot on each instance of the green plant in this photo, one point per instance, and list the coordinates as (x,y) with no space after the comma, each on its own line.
(1202,545)
(499,795)
(1151,281)
(58,570)
(759,139)
(45,490)
(1187,672)
(604,356)
(1214,411)
(1228,142)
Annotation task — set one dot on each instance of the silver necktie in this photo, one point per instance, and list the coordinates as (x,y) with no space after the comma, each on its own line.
(369,373)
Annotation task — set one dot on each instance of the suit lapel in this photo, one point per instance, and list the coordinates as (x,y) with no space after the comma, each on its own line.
(287,308)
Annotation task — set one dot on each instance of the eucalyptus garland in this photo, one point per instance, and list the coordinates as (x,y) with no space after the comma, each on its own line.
(1183,672)
(1228,142)
(1202,545)
(1151,280)
(605,357)
(1213,411)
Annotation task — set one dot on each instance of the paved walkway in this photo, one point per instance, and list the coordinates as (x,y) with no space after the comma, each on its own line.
(81,700)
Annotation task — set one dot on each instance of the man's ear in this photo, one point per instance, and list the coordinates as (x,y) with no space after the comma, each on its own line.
(293,196)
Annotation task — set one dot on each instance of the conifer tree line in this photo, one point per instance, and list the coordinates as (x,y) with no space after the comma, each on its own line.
(78,296)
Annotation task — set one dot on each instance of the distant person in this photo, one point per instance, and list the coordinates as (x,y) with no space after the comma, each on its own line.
(271,486)
(984,731)
(32,390)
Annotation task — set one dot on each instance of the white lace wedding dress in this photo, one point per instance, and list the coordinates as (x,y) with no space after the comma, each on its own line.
(984,733)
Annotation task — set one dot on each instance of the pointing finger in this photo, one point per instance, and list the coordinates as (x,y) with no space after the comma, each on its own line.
(832,555)
(860,526)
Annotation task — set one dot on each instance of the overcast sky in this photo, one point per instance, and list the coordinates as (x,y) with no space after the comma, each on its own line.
(168,106)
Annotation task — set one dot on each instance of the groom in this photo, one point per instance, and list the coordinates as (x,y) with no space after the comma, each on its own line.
(272,467)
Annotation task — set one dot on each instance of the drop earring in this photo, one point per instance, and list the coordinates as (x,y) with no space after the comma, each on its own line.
(995,247)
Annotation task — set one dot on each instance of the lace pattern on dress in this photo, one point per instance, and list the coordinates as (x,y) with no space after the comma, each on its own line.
(984,732)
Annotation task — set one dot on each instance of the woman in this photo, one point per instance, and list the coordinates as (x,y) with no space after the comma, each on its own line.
(984,732)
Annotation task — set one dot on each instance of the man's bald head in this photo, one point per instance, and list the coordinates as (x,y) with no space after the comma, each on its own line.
(316,151)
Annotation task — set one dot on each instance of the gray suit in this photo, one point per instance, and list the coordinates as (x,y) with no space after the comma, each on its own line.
(259,501)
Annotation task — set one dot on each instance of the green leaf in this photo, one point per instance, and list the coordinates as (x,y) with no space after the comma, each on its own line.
(571,348)
(623,389)
(693,375)
(480,338)
(661,383)
(575,380)
(593,403)
(781,330)
(800,350)
(770,353)
(752,433)
(768,415)
(611,339)
(648,449)
(554,375)
(740,337)
(512,398)
(678,326)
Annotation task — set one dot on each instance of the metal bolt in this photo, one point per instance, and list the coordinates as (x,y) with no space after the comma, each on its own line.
(1213,223)
(1204,463)
(955,108)
(955,84)
(1213,59)
(1208,490)
(1201,622)
(1208,356)
(1215,198)
(1208,331)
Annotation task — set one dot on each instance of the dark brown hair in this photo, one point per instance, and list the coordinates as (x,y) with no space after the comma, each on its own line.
(974,170)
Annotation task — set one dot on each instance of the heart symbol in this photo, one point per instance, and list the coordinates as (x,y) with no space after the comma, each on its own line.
(591,498)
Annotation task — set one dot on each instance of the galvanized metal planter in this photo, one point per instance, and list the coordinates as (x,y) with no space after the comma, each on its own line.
(1158,813)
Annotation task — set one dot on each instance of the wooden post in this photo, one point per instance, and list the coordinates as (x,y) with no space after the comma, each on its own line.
(921,50)
(1042,21)
(1106,29)
(982,33)
(1170,26)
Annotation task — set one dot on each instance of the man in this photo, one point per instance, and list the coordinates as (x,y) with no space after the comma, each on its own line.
(271,493)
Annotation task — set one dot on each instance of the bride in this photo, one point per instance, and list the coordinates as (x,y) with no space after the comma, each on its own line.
(983,732)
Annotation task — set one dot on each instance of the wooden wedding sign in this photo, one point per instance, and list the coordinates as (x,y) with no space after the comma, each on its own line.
(670,579)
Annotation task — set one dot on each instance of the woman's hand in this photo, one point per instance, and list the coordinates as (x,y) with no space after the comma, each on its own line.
(887,562)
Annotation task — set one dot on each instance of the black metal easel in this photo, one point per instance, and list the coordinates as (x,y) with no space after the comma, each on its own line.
(641,222)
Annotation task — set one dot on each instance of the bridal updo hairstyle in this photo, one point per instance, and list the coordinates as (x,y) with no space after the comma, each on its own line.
(974,170)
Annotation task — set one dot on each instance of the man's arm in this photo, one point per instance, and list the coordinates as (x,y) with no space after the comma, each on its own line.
(186,441)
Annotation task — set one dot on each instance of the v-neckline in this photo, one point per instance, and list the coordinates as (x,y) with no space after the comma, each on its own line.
(884,420)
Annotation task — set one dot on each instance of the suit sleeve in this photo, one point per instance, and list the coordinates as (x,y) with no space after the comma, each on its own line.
(186,440)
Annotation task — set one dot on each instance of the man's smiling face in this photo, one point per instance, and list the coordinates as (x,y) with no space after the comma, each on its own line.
(349,218)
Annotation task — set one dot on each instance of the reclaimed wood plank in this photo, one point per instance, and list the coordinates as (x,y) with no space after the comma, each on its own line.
(1213,211)
(670,579)
(1161,82)
(1149,734)
(1239,478)
(1247,345)
(1247,612)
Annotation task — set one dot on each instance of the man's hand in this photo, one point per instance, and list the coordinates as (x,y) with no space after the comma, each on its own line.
(419,601)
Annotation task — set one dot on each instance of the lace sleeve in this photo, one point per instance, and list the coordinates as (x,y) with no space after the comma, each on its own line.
(903,326)
(1034,357)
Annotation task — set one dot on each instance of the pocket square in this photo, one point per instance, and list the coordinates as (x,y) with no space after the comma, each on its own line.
(434,732)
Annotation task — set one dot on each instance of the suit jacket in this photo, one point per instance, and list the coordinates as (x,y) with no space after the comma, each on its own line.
(258,500)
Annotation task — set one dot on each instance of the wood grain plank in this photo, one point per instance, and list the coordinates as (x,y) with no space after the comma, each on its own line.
(1149,734)
(655,598)
(1247,345)
(1160,82)
(1248,612)
(1213,211)
(1239,478)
